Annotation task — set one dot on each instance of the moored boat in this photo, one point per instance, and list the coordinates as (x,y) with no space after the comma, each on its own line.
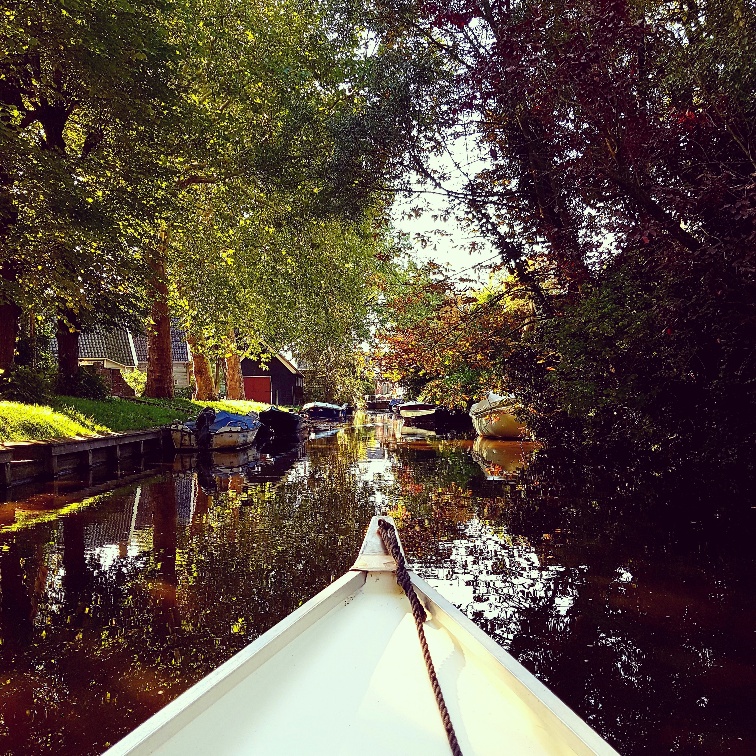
(441,419)
(417,410)
(215,431)
(377,403)
(280,422)
(335,413)
(494,418)
(345,674)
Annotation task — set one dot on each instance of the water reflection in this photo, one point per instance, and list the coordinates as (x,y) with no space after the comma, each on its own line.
(115,602)
(500,459)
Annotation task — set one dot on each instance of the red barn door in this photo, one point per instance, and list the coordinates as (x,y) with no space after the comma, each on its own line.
(257,388)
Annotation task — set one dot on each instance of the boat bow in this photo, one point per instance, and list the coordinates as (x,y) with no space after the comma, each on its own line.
(344,674)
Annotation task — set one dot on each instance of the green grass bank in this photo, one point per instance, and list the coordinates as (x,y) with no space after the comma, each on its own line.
(67,416)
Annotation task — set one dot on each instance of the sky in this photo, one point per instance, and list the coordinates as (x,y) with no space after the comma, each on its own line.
(450,248)
(449,240)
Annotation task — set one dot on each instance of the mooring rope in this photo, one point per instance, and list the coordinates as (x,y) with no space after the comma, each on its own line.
(387,532)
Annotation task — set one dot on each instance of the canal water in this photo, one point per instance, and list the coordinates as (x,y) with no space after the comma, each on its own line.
(116,597)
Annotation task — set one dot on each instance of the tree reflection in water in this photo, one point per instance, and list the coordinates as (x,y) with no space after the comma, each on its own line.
(642,623)
(110,611)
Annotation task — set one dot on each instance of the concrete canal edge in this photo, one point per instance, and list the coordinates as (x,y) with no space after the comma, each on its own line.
(28,461)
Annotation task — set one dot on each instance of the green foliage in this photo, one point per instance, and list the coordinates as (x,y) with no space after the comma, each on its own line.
(86,383)
(87,93)
(26,384)
(136,379)
(443,345)
(616,183)
(253,140)
(638,374)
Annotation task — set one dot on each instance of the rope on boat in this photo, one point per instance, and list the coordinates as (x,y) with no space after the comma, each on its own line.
(388,535)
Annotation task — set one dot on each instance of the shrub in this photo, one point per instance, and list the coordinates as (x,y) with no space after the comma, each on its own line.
(136,379)
(23,383)
(86,384)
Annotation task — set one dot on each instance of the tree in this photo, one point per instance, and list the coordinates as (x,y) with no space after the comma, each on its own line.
(446,346)
(84,90)
(615,150)
(281,180)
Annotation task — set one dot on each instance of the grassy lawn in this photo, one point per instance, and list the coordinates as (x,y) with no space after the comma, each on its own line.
(69,416)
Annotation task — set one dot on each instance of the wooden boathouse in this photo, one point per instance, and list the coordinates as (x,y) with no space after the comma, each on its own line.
(274,382)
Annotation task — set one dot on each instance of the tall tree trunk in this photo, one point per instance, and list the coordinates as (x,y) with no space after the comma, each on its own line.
(67,336)
(159,354)
(10,315)
(204,388)
(10,312)
(234,380)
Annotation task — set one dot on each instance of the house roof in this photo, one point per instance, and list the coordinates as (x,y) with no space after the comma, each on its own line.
(179,347)
(114,344)
(288,364)
(283,360)
(140,344)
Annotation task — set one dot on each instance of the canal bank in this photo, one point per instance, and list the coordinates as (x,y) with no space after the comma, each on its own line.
(28,461)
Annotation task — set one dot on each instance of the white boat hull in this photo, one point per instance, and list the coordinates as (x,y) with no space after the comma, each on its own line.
(184,439)
(344,675)
(498,424)
(494,418)
(409,413)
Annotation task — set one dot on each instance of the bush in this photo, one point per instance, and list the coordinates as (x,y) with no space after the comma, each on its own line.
(86,384)
(26,384)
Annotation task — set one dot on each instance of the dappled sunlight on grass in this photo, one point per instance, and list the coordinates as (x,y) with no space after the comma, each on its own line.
(70,416)
(29,422)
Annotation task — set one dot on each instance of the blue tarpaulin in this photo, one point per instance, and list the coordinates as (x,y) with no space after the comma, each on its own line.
(223,419)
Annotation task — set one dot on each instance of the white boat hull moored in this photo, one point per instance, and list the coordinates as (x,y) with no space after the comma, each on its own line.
(494,418)
(413,410)
(184,439)
(344,674)
(215,431)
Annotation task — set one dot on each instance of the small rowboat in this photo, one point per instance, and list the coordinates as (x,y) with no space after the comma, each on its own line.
(494,418)
(335,413)
(345,674)
(281,423)
(416,410)
(220,431)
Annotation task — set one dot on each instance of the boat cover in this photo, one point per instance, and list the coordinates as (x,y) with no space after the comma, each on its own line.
(492,401)
(227,421)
